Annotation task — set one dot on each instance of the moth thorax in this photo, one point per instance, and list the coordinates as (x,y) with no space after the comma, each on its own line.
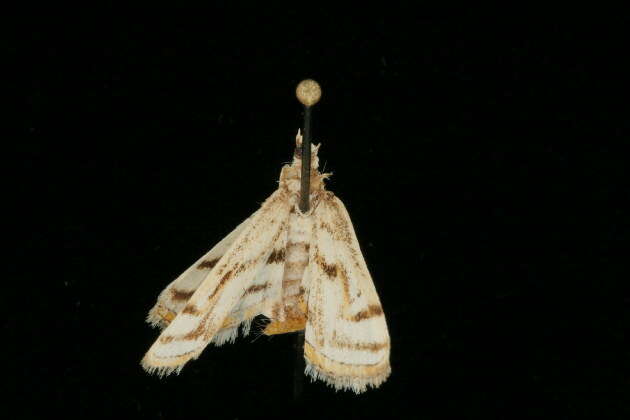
(290,178)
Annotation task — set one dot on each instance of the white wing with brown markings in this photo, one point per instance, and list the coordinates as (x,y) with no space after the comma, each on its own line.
(209,308)
(346,341)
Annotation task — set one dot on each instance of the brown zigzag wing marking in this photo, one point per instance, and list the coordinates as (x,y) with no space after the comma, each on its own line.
(371,311)
(181,294)
(208,263)
(276,256)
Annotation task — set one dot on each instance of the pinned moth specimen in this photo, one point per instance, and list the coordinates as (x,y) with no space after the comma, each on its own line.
(303,271)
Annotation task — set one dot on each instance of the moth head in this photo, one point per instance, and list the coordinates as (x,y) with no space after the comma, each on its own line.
(291,174)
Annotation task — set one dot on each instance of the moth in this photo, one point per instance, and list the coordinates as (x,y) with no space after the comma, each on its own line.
(303,271)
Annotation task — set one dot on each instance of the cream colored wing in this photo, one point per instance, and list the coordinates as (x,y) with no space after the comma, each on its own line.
(263,293)
(208,309)
(174,297)
(346,341)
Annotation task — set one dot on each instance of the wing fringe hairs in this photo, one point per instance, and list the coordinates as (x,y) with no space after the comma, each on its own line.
(303,271)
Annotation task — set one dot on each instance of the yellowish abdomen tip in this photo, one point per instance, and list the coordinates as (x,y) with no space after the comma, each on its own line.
(308,92)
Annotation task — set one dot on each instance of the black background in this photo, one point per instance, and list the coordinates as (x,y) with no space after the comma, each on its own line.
(479,157)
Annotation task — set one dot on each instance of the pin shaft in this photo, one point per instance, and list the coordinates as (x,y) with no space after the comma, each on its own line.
(308,93)
(305,179)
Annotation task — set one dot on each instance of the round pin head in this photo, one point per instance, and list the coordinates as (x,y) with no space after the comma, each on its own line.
(308,92)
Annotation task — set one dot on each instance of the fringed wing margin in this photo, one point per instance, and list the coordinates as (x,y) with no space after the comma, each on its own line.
(174,297)
(346,341)
(209,308)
